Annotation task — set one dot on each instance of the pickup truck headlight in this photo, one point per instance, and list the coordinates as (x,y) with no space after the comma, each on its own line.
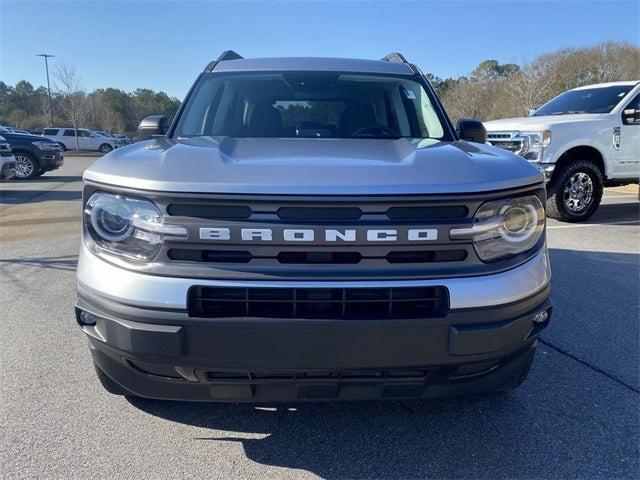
(534,144)
(46,145)
(505,227)
(128,227)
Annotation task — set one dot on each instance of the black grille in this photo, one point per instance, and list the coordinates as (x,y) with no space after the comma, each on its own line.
(319,213)
(427,213)
(320,303)
(227,212)
(316,257)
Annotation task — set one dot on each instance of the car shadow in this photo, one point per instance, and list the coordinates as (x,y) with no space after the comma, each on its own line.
(50,178)
(616,212)
(15,196)
(558,424)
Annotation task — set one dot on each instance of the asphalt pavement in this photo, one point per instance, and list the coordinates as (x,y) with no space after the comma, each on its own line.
(576,416)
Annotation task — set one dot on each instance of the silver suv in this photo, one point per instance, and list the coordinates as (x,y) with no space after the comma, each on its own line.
(312,229)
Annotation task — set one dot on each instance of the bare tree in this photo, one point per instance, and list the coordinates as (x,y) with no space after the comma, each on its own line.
(72,98)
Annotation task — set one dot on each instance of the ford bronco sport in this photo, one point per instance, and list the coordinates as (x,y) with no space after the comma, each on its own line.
(312,229)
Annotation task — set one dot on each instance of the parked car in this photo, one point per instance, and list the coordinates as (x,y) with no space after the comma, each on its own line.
(111,136)
(34,155)
(7,161)
(86,140)
(583,140)
(14,130)
(312,229)
(124,138)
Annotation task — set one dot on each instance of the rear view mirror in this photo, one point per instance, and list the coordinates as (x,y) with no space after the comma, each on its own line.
(154,125)
(631,116)
(471,130)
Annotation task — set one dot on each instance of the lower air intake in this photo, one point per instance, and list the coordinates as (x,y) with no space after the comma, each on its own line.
(319,303)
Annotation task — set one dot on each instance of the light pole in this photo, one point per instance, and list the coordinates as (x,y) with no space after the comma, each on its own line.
(46,65)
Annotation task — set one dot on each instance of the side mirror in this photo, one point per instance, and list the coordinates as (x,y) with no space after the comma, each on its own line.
(631,116)
(154,125)
(471,130)
(532,111)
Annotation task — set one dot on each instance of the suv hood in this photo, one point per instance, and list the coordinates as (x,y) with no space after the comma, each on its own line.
(313,166)
(535,124)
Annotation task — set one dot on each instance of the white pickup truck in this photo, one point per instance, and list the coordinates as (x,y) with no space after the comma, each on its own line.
(583,140)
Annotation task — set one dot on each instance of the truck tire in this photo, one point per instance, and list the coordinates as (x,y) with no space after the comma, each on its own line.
(111,386)
(575,191)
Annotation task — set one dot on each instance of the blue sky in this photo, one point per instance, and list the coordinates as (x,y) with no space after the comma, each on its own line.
(164,44)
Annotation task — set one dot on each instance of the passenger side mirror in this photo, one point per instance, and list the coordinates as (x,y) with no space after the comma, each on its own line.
(154,125)
(631,116)
(471,130)
(532,111)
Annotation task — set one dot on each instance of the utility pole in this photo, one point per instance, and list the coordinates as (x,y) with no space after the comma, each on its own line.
(46,65)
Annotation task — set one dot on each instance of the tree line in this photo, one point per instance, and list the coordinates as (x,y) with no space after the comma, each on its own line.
(492,90)
(495,90)
(26,107)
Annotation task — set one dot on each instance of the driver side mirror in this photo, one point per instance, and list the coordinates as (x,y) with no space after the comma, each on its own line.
(631,116)
(471,130)
(154,125)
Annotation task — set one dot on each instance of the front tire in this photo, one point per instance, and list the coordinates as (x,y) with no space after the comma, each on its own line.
(27,166)
(575,191)
(105,148)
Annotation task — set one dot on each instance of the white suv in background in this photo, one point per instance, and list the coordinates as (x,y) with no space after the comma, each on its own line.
(583,140)
(86,139)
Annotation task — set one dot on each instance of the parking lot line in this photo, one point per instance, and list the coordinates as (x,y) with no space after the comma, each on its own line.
(594,224)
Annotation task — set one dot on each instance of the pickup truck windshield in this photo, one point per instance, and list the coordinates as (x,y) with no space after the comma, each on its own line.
(312,105)
(590,100)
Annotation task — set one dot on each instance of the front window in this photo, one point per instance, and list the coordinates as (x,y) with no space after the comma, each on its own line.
(311,105)
(588,100)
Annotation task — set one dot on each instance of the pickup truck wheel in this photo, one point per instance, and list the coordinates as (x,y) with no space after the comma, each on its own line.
(575,191)
(105,148)
(111,386)
(27,166)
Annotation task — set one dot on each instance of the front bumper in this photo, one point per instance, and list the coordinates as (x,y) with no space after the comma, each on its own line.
(50,160)
(161,352)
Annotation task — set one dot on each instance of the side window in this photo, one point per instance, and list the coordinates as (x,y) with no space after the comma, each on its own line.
(631,113)
(69,133)
(83,133)
(50,131)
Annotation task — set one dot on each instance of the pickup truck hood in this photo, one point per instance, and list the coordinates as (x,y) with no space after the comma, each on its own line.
(312,166)
(537,124)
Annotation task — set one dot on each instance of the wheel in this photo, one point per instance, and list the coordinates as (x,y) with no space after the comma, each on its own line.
(575,191)
(105,148)
(111,386)
(62,146)
(27,166)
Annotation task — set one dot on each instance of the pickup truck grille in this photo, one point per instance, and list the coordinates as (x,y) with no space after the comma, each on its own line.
(324,303)
(508,141)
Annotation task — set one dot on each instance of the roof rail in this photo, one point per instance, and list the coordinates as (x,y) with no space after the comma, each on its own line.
(394,57)
(226,55)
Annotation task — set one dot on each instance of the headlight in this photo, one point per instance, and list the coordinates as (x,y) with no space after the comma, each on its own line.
(505,227)
(533,145)
(46,145)
(128,227)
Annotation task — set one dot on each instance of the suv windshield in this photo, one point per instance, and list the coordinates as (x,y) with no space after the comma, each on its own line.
(312,105)
(589,100)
